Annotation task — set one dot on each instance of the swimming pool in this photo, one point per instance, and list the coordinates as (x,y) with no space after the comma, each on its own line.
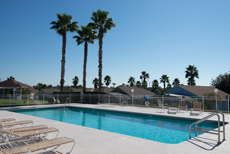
(161,129)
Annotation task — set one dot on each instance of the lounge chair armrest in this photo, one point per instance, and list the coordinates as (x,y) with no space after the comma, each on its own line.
(72,145)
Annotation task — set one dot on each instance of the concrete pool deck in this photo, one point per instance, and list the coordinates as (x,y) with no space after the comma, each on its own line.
(93,141)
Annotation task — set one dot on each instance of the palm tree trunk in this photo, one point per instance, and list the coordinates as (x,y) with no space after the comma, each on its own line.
(62,81)
(144,83)
(100,36)
(84,66)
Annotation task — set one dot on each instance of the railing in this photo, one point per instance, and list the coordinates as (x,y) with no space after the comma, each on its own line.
(66,101)
(205,130)
(208,103)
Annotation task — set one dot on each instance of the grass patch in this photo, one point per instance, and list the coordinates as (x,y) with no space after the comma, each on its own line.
(8,102)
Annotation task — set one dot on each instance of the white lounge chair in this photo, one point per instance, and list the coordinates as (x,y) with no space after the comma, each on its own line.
(45,146)
(196,110)
(56,101)
(161,105)
(182,106)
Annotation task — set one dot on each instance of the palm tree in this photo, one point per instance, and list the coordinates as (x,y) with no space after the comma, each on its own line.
(169,86)
(138,83)
(107,80)
(95,82)
(11,78)
(155,85)
(191,73)
(176,82)
(75,81)
(85,35)
(63,25)
(143,77)
(131,81)
(164,79)
(102,23)
(114,84)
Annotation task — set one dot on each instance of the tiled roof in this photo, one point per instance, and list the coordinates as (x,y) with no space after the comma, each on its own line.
(69,89)
(196,90)
(201,90)
(104,89)
(50,90)
(137,90)
(16,84)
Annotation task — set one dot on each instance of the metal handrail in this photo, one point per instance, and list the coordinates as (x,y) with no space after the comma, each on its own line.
(67,99)
(197,129)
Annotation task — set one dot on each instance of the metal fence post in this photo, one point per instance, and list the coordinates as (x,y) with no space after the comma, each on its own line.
(43,99)
(163,99)
(120,99)
(203,102)
(228,105)
(69,97)
(109,98)
(99,98)
(27,100)
(10,100)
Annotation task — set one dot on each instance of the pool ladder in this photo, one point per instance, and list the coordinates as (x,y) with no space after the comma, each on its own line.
(66,101)
(211,131)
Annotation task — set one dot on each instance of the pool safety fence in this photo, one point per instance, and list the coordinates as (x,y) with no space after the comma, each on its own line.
(207,103)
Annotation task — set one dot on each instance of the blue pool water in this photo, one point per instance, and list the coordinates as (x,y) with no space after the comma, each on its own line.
(165,130)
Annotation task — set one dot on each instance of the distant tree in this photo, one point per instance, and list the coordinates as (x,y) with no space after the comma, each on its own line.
(138,84)
(176,82)
(114,84)
(143,77)
(58,86)
(169,86)
(11,78)
(191,73)
(102,23)
(86,35)
(222,82)
(164,79)
(107,80)
(95,82)
(155,85)
(40,86)
(63,25)
(49,86)
(75,81)
(131,81)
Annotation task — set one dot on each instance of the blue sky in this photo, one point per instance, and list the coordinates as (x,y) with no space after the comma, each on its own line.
(156,36)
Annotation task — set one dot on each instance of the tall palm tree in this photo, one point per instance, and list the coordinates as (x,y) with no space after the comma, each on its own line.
(155,85)
(95,82)
(191,73)
(75,81)
(164,79)
(131,81)
(107,80)
(102,23)
(176,82)
(86,35)
(63,25)
(143,77)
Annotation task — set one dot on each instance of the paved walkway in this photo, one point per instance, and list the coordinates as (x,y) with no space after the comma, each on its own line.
(93,141)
